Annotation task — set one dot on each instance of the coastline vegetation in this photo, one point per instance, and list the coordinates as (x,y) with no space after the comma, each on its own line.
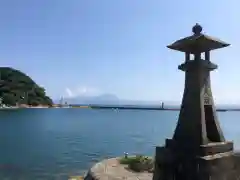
(138,163)
(16,88)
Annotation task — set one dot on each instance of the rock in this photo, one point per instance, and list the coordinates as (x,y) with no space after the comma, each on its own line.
(111,169)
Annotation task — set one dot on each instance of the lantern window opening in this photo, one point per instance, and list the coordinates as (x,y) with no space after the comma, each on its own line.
(192,57)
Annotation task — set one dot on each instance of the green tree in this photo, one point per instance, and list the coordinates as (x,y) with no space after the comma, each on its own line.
(9,99)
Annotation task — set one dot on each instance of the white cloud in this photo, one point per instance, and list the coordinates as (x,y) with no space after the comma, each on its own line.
(69,92)
(81,91)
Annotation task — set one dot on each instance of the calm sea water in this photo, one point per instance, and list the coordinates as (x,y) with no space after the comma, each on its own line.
(58,143)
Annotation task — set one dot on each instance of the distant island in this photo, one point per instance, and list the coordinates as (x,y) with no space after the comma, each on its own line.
(16,88)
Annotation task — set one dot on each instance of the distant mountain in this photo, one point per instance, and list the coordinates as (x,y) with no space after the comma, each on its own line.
(107,99)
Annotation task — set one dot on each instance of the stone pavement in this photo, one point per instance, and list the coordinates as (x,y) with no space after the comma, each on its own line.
(111,169)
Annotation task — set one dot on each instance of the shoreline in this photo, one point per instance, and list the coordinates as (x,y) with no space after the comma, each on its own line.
(105,107)
(112,107)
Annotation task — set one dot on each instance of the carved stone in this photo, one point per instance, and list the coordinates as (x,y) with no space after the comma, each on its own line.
(198,149)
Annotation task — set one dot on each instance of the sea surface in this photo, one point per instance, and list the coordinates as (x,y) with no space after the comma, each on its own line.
(58,143)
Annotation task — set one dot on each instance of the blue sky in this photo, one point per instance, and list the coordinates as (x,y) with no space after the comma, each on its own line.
(89,47)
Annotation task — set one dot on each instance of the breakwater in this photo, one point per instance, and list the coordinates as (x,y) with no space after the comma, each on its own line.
(136,107)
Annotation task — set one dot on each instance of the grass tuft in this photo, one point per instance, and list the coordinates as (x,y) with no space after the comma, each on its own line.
(138,162)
